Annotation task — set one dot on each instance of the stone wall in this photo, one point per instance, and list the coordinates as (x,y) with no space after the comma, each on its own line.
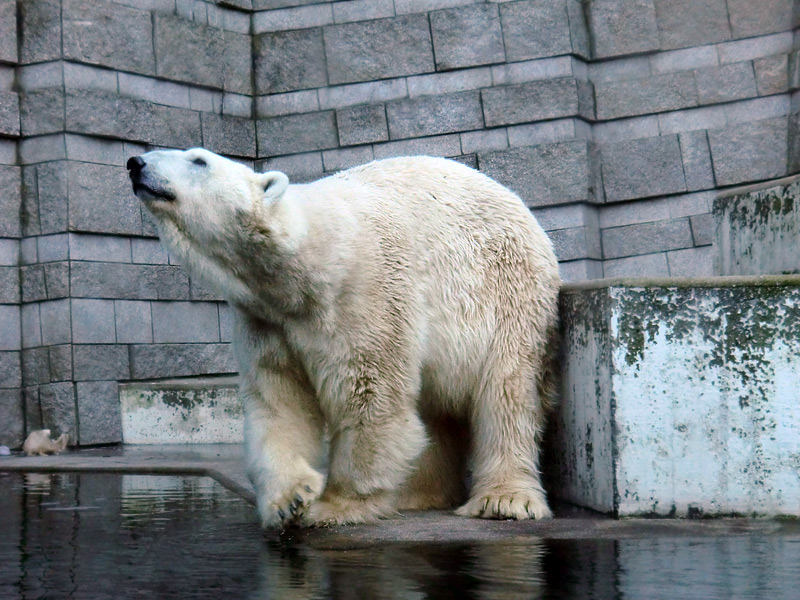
(616,120)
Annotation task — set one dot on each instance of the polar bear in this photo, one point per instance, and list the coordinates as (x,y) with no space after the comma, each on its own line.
(404,310)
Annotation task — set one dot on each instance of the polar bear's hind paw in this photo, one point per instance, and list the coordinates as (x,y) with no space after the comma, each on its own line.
(519,505)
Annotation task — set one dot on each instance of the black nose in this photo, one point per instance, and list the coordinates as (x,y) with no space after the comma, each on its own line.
(135,164)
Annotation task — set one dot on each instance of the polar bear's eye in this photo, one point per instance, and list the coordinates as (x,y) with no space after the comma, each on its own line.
(199,162)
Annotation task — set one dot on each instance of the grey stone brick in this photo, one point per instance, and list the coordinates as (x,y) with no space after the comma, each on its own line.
(10,333)
(179,322)
(360,93)
(642,168)
(149,227)
(237,105)
(123,282)
(108,34)
(9,252)
(622,27)
(85,77)
(9,285)
(151,361)
(452,81)
(702,229)
(626,129)
(646,238)
(532,70)
(41,22)
(757,109)
(100,113)
(11,418)
(685,23)
(757,47)
(434,115)
(362,10)
(42,149)
(33,412)
(542,175)
(696,158)
(99,412)
(35,366)
(11,369)
(758,18)
(233,136)
(440,145)
(100,362)
(28,252)
(41,112)
(772,74)
(289,60)
(32,283)
(378,49)
(533,134)
(566,217)
(296,133)
(51,248)
(198,290)
(31,326)
(683,60)
(576,243)
(535,29)
(9,113)
(362,124)
(534,101)
(673,91)
(56,279)
(237,69)
(647,265)
(57,402)
(484,141)
(60,362)
(8,31)
(52,184)
(134,322)
(103,248)
(100,200)
(93,321)
(344,158)
(299,168)
(154,90)
(302,17)
(276,105)
(691,262)
(10,200)
(149,252)
(226,318)
(580,270)
(693,119)
(726,83)
(466,37)
(749,151)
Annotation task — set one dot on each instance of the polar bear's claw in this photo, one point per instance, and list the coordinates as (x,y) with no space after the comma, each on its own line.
(519,505)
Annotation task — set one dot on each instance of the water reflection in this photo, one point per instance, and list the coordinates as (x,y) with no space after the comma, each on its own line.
(112,536)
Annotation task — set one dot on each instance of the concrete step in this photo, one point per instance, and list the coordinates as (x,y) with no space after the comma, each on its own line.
(758,229)
(680,397)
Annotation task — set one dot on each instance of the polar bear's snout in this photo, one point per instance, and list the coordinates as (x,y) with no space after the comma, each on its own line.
(146,185)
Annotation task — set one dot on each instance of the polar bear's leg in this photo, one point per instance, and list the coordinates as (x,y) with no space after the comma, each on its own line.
(283,438)
(507,420)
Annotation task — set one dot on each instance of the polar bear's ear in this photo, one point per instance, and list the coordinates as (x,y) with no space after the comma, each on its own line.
(274,183)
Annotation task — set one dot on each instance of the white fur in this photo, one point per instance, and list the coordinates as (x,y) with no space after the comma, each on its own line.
(407,308)
(39,443)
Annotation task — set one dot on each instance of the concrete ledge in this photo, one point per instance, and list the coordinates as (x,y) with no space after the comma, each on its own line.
(679,397)
(203,410)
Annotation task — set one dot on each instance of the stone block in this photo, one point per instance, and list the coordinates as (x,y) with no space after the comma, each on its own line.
(31,408)
(691,262)
(693,119)
(576,243)
(651,371)
(620,27)
(642,168)
(749,151)
(32,283)
(378,49)
(434,115)
(9,113)
(683,60)
(370,92)
(661,93)
(60,359)
(772,74)
(622,130)
(52,248)
(686,23)
(149,252)
(296,133)
(233,136)
(467,37)
(100,113)
(52,185)
(198,290)
(566,216)
(10,200)
(99,412)
(128,282)
(10,331)
(289,60)
(12,418)
(301,17)
(646,238)
(93,321)
(696,158)
(580,270)
(10,370)
(757,47)
(299,168)
(134,322)
(542,175)
(85,77)
(100,362)
(31,326)
(159,361)
(183,322)
(362,10)
(726,83)
(344,158)
(580,40)
(41,112)
(534,101)
(534,29)
(56,279)
(363,124)
(57,403)
(10,252)
(108,34)
(757,229)
(448,82)
(154,90)
(532,70)
(8,31)
(484,141)
(750,19)
(42,149)
(702,229)
(100,200)
(440,145)
(105,248)
(644,265)
(9,285)
(41,22)
(277,105)
(533,134)
(35,366)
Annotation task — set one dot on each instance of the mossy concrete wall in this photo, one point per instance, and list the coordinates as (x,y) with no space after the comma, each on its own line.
(757,229)
(680,397)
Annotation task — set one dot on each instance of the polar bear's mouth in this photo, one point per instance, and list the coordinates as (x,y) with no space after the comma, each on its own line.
(145,192)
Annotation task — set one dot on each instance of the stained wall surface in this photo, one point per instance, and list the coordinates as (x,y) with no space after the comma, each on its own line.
(617,121)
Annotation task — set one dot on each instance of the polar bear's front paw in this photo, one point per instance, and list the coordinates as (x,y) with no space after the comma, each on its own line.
(290,505)
(507,504)
(333,510)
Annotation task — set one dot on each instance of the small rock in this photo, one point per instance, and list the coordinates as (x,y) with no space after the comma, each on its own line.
(5,451)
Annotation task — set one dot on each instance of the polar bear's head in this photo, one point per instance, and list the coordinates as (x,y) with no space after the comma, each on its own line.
(201,195)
